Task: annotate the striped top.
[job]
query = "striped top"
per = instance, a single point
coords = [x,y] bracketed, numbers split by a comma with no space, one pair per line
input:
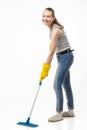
[62,43]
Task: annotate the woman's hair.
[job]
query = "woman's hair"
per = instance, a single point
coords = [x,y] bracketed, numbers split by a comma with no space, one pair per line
[53,14]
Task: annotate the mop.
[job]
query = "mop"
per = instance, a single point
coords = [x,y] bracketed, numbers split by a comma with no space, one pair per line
[27,122]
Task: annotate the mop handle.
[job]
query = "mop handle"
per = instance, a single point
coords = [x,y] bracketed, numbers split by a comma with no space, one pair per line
[35,98]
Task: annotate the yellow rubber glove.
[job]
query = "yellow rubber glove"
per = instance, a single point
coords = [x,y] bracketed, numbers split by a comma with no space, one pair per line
[44,73]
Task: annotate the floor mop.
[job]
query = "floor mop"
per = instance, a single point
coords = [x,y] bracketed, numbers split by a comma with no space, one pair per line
[27,122]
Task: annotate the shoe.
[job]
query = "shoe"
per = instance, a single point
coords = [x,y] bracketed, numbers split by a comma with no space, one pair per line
[55,118]
[66,114]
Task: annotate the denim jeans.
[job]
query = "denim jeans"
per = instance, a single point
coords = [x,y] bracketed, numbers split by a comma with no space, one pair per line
[62,80]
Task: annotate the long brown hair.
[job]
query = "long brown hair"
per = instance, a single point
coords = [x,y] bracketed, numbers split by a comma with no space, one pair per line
[53,14]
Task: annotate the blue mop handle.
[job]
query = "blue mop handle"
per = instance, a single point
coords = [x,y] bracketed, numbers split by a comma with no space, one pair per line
[40,83]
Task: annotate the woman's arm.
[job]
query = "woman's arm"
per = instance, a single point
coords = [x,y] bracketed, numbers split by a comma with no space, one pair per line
[54,39]
[46,66]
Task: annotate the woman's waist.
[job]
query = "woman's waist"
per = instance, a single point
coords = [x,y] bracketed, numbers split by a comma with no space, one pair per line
[65,51]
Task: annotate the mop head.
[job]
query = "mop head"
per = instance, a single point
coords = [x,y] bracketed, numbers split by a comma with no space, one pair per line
[27,123]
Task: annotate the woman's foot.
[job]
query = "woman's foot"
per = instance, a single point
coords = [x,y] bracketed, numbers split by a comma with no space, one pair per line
[55,118]
[69,113]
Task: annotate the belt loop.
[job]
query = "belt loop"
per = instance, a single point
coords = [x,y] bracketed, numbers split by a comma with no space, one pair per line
[68,50]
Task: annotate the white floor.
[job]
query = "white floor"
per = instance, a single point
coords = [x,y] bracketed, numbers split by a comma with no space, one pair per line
[13,111]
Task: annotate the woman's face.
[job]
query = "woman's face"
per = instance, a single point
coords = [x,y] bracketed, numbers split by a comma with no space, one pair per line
[48,18]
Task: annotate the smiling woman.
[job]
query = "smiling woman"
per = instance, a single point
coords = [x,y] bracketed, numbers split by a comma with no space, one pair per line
[49,18]
[60,45]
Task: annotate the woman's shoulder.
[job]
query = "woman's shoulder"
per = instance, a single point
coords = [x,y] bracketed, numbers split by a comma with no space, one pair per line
[57,30]
[56,26]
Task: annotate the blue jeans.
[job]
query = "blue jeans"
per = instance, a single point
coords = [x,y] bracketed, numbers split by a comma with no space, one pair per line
[62,78]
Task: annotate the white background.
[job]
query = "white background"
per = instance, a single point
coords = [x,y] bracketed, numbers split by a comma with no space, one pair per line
[24,45]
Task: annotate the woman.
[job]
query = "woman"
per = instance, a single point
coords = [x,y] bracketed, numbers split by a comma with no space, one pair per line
[60,45]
